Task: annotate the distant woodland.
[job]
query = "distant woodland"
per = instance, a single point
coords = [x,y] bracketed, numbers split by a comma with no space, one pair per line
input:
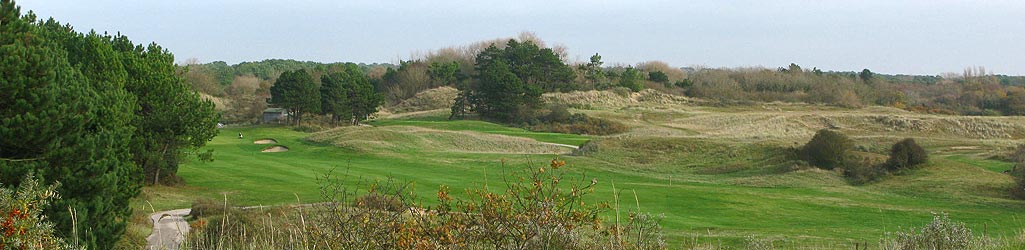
[974,91]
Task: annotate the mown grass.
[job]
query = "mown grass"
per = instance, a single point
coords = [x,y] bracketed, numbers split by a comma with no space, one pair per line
[756,193]
[985,163]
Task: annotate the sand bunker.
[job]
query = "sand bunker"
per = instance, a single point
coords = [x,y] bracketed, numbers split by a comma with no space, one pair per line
[265,141]
[274,149]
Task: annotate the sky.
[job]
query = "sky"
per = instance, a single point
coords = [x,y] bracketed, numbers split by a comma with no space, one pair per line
[927,37]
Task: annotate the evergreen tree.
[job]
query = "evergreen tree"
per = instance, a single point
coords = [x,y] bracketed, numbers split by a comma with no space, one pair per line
[334,96]
[66,125]
[296,91]
[631,78]
[364,100]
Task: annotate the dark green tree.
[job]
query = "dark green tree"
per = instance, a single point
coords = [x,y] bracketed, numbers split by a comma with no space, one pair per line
[538,66]
[334,96]
[906,154]
[171,120]
[593,71]
[502,96]
[827,149]
[296,92]
[631,78]
[509,81]
[658,76]
[349,95]
[866,75]
[444,74]
[365,99]
[67,124]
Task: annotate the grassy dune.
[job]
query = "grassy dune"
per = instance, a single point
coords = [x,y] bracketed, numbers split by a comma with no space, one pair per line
[710,189]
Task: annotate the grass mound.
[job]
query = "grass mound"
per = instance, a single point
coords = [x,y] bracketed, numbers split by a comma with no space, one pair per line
[606,99]
[431,99]
[856,122]
[420,139]
[274,149]
[265,141]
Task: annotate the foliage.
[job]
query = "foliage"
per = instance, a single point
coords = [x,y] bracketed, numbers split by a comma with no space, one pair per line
[658,76]
[631,78]
[509,81]
[827,149]
[593,72]
[66,114]
[410,78]
[499,94]
[348,95]
[1018,188]
[906,154]
[941,233]
[560,120]
[863,172]
[296,91]
[22,223]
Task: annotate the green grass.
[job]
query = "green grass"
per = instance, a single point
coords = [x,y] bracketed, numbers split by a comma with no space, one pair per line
[485,127]
[988,164]
[677,177]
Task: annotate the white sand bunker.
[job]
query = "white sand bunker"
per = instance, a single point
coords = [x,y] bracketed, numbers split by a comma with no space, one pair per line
[274,149]
[265,141]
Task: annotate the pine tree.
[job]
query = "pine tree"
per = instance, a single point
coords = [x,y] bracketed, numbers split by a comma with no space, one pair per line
[65,127]
[335,97]
[296,91]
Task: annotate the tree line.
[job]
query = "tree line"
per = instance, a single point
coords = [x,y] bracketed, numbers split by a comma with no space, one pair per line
[96,113]
[345,96]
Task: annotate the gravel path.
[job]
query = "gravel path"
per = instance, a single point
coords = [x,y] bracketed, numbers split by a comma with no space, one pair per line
[169,229]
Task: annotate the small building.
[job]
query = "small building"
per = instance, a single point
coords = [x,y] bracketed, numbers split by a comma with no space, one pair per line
[274,115]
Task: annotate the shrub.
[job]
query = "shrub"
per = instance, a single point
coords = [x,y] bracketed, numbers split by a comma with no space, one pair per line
[862,172]
[587,148]
[906,154]
[941,233]
[1018,173]
[22,223]
[1018,156]
[378,201]
[207,207]
[827,149]
[560,120]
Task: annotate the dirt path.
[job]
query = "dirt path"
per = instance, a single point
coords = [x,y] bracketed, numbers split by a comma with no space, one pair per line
[169,229]
[560,145]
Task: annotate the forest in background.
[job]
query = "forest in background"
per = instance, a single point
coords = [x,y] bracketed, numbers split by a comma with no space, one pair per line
[244,87]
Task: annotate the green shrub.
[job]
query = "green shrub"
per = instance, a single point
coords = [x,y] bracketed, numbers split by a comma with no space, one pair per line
[906,154]
[22,223]
[827,149]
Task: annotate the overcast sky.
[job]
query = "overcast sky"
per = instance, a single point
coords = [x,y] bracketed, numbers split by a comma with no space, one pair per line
[911,37]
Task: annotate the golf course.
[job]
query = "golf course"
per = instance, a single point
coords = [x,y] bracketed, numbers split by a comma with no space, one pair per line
[711,188]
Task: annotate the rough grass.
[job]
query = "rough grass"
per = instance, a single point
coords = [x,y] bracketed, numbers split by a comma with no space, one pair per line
[436,98]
